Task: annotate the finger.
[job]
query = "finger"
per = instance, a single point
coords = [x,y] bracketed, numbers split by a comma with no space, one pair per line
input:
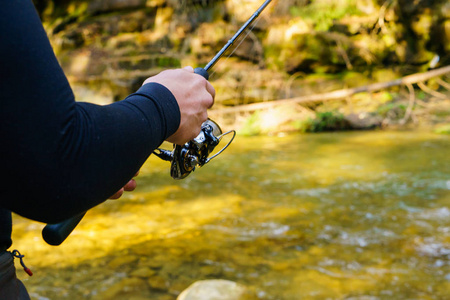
[117,195]
[211,91]
[189,68]
[130,186]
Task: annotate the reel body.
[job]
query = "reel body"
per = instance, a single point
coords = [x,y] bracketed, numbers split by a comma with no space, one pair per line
[184,159]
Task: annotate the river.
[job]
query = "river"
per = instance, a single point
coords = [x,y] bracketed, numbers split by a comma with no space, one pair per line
[350,215]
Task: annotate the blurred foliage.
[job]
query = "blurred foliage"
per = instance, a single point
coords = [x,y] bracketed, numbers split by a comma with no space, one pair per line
[252,125]
[297,47]
[390,108]
[323,13]
[443,129]
[325,121]
[308,36]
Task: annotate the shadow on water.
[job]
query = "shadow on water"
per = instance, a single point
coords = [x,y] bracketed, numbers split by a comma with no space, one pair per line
[356,215]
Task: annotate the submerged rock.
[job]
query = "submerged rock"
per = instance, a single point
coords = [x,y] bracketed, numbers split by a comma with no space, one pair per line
[363,121]
[123,289]
[215,289]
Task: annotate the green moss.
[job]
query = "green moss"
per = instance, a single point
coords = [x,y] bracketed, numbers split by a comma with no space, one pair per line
[302,125]
[168,62]
[353,79]
[443,129]
[399,109]
[324,121]
[323,13]
[385,97]
[273,57]
[252,125]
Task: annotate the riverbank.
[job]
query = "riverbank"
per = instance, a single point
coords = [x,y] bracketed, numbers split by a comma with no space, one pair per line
[297,48]
[419,100]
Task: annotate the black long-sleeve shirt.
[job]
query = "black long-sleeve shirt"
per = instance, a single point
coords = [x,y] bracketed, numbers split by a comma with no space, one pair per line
[59,157]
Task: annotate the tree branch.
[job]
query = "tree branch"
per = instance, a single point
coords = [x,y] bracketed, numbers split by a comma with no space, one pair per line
[340,94]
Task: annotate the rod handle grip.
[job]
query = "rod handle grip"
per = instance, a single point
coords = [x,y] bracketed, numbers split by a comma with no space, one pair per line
[202,72]
[55,234]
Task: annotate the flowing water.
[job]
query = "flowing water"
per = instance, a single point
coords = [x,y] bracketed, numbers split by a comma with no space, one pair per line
[355,215]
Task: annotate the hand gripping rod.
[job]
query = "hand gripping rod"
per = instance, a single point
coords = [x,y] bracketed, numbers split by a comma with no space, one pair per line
[55,234]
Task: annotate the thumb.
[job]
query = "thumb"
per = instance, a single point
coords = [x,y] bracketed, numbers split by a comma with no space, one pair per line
[189,68]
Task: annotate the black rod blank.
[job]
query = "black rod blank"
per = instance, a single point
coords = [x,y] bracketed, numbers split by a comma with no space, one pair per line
[236,36]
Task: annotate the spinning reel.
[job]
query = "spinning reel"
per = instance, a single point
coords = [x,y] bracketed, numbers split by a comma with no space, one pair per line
[184,159]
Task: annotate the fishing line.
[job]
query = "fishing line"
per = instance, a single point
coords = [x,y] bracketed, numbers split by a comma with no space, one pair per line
[241,41]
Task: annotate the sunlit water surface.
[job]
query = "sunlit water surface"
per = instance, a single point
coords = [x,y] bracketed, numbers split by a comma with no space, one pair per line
[356,215]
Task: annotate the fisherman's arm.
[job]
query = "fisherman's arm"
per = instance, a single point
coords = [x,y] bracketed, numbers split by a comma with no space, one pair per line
[60,157]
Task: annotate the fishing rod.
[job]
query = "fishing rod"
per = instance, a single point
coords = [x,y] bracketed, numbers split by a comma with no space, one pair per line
[184,159]
[204,71]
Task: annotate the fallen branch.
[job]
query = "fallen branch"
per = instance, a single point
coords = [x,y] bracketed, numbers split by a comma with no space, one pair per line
[412,99]
[443,83]
[427,90]
[339,94]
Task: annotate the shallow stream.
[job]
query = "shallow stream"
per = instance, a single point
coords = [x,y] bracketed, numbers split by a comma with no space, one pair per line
[354,215]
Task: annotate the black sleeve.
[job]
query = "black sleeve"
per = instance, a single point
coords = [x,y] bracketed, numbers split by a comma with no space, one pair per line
[60,157]
[5,229]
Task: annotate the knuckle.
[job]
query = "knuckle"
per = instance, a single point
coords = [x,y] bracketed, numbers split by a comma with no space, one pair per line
[209,101]
[204,116]
[200,80]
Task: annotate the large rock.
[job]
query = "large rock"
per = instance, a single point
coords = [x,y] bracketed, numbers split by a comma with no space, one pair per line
[215,289]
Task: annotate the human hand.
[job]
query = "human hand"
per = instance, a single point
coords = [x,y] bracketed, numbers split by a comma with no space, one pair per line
[194,95]
[130,186]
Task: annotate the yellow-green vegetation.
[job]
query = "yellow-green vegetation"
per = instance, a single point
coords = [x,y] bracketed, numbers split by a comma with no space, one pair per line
[325,121]
[297,48]
[443,129]
[323,13]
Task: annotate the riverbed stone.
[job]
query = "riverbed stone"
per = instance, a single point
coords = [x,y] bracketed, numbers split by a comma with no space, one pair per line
[215,289]
[122,260]
[122,288]
[158,283]
[143,272]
